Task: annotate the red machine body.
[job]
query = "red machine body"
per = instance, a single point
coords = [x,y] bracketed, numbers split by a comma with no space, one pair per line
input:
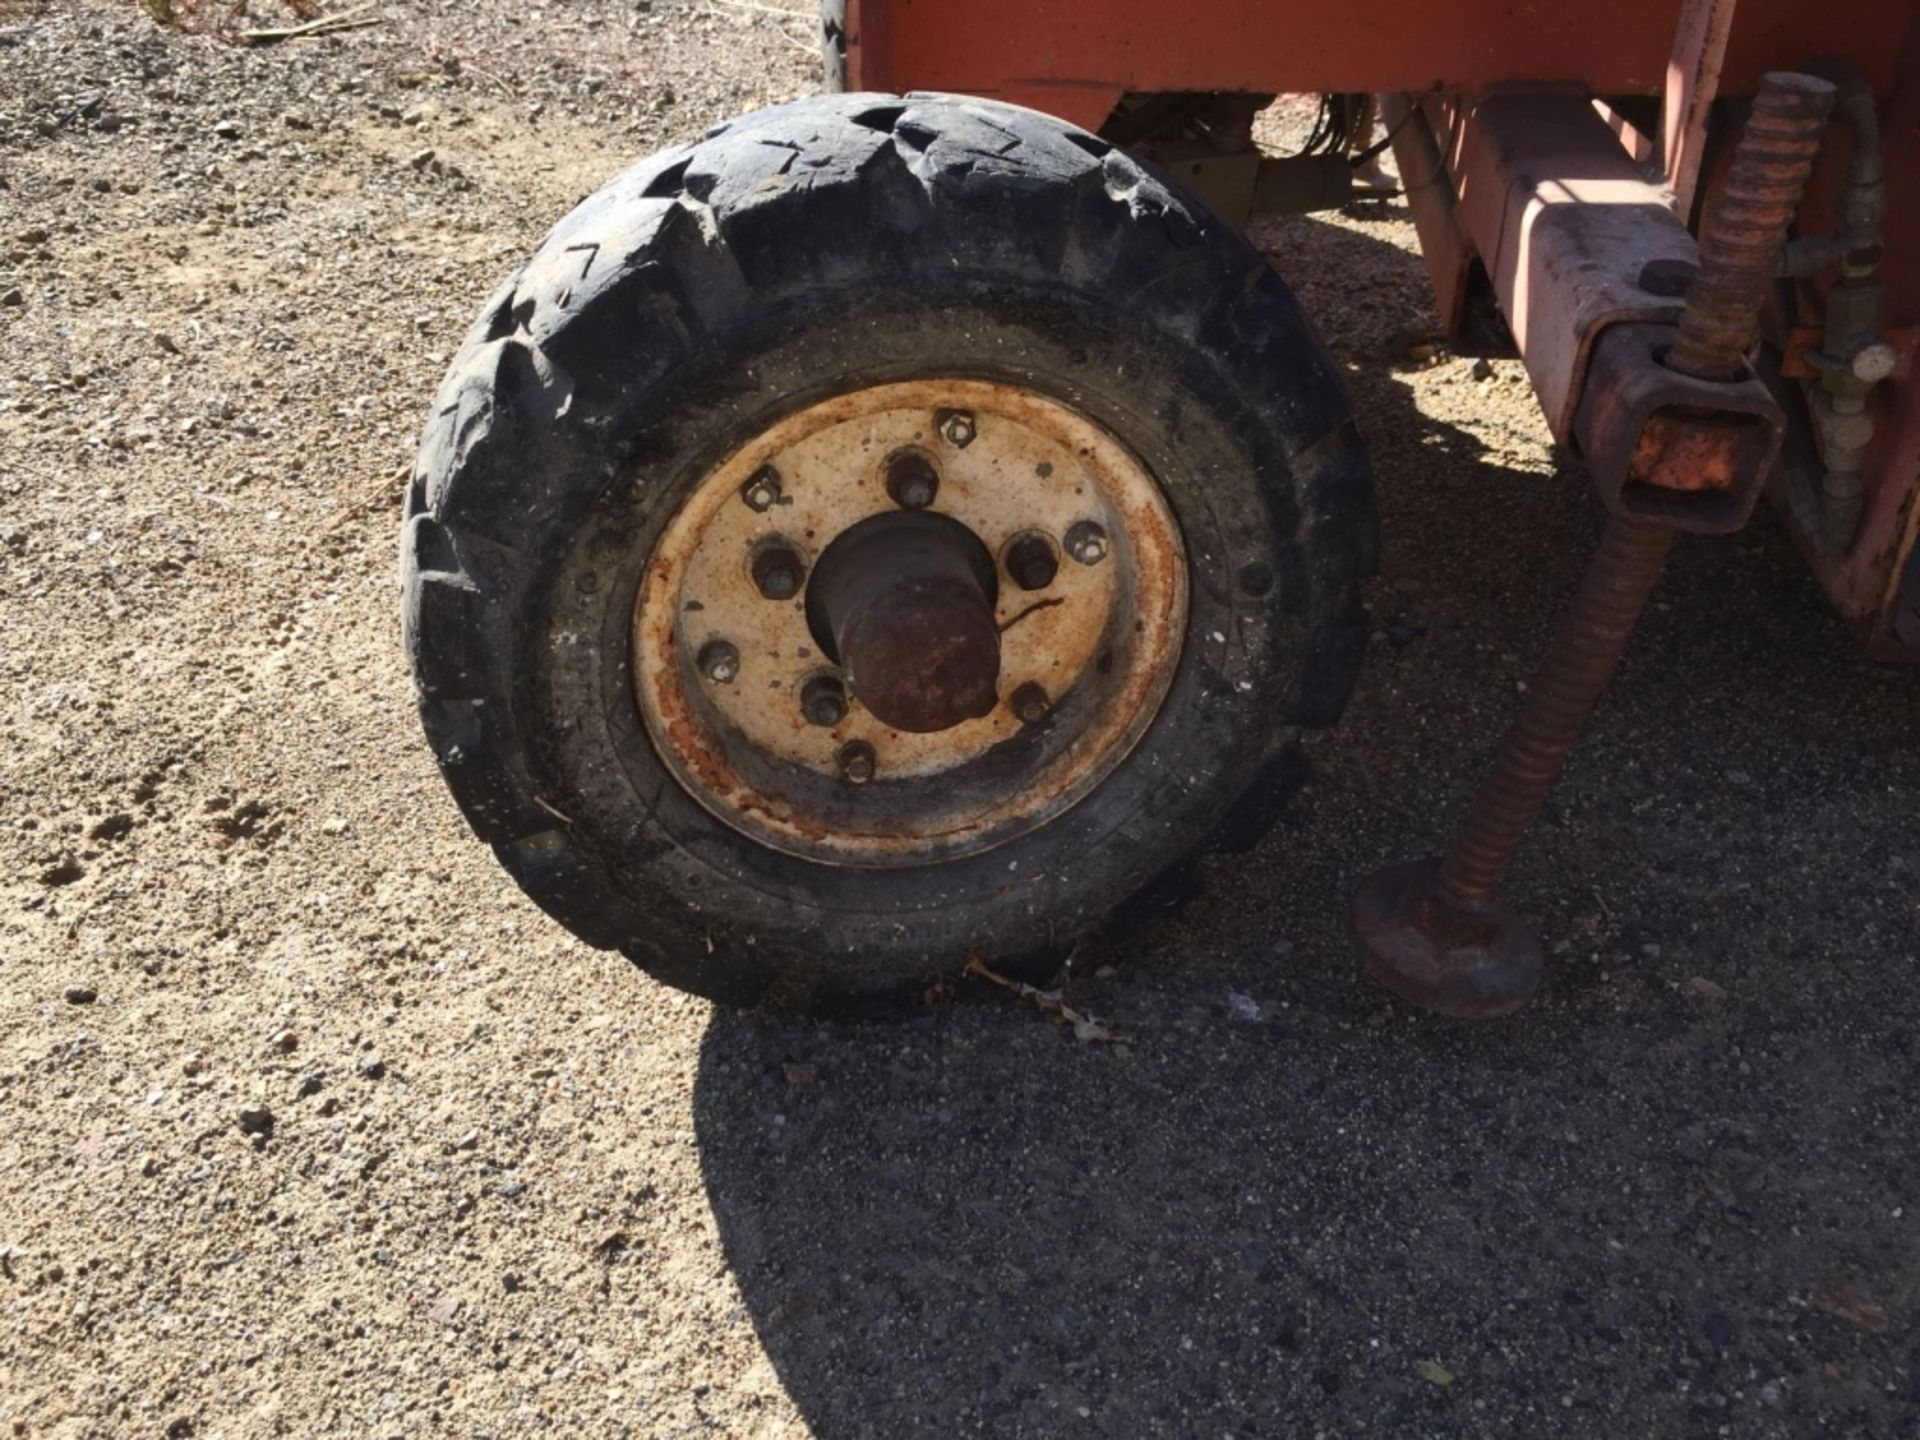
[1633,110]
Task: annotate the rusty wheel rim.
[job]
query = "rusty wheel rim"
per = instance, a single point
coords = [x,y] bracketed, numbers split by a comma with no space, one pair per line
[747,702]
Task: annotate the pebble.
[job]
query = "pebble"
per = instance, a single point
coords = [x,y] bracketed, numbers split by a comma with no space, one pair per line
[421,159]
[256,1121]
[14,298]
[227,129]
[371,1067]
[80,994]
[284,1041]
[311,1083]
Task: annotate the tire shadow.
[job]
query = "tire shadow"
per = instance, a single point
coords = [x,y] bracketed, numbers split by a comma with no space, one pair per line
[1667,1199]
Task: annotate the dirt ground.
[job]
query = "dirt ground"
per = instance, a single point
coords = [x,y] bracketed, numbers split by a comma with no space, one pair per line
[311,1125]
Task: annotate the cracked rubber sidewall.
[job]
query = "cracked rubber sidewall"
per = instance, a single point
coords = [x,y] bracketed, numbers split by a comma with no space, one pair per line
[712,290]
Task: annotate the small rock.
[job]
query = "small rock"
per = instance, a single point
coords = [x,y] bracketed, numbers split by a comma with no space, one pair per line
[421,159]
[510,1282]
[371,1067]
[1483,369]
[1705,988]
[80,994]
[14,298]
[227,129]
[468,1141]
[116,826]
[1402,632]
[295,120]
[799,1076]
[283,1041]
[193,1064]
[442,1311]
[256,1121]
[1244,1007]
[311,1083]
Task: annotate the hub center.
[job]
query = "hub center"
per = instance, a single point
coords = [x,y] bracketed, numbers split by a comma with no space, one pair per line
[905,603]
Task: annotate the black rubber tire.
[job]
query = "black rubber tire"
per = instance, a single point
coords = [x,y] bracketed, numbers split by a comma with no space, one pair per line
[839,241]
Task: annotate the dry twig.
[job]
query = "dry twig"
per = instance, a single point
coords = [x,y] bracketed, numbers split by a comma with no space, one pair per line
[1085,1027]
[354,19]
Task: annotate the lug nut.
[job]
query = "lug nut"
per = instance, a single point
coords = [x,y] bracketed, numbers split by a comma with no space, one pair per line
[956,428]
[856,762]
[1029,703]
[912,480]
[778,570]
[762,490]
[1031,561]
[719,661]
[1087,543]
[823,700]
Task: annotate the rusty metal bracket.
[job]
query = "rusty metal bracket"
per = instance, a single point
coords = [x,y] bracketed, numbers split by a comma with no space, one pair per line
[1693,454]
[1679,435]
[1573,235]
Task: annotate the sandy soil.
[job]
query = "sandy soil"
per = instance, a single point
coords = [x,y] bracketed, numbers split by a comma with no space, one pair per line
[310,1125]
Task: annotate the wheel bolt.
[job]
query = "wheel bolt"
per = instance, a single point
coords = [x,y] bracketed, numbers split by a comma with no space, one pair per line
[762,490]
[856,760]
[912,481]
[778,571]
[956,428]
[823,700]
[1031,561]
[719,661]
[1087,543]
[1029,703]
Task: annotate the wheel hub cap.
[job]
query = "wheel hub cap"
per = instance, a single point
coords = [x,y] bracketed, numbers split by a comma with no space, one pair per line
[909,622]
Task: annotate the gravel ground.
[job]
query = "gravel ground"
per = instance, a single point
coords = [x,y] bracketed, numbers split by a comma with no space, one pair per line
[310,1125]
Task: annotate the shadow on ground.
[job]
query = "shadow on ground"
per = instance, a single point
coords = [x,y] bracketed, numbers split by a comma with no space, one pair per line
[1676,1197]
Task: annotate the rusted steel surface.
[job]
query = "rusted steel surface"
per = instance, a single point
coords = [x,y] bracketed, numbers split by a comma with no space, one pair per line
[1429,192]
[1076,60]
[1433,932]
[1592,635]
[1692,81]
[1871,582]
[1566,225]
[912,624]
[1100,635]
[1662,445]
[1747,225]
[1474,961]
[1674,411]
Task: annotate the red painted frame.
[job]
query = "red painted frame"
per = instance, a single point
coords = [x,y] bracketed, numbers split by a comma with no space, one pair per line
[1077,58]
